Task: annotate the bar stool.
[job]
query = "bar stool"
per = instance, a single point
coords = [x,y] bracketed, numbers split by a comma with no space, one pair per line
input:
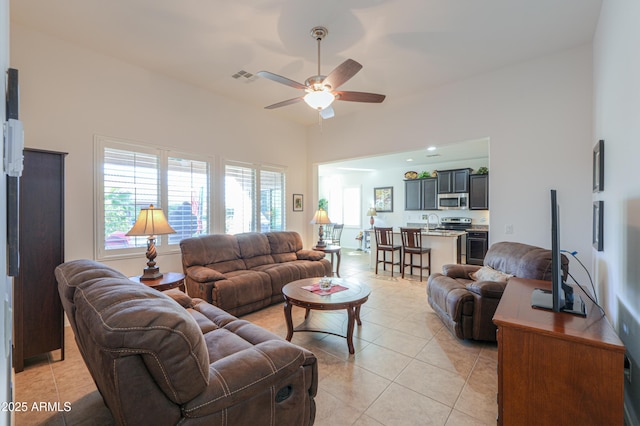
[412,244]
[384,244]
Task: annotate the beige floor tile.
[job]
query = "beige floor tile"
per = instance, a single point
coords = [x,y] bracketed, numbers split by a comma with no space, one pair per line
[365,420]
[401,342]
[381,361]
[436,383]
[331,411]
[399,406]
[355,386]
[458,418]
[479,395]
[449,353]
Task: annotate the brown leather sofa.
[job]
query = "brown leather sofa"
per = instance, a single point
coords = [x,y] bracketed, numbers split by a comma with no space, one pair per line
[246,272]
[466,306]
[165,358]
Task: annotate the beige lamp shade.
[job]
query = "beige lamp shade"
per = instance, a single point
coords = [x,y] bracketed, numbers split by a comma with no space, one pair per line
[372,212]
[320,218]
[151,221]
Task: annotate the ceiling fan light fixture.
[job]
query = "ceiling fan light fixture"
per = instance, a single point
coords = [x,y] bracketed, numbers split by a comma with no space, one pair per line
[319,100]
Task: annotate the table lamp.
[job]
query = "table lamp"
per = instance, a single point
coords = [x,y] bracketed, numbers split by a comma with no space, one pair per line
[371,212]
[151,222]
[320,218]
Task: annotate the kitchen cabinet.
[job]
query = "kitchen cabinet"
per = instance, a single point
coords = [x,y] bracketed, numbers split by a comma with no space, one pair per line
[37,313]
[479,192]
[421,194]
[453,181]
[477,245]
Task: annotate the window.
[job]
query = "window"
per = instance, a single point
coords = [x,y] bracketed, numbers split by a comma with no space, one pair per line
[345,205]
[254,198]
[131,177]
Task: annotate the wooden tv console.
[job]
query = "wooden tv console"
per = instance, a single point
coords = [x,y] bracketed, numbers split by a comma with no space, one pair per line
[556,368]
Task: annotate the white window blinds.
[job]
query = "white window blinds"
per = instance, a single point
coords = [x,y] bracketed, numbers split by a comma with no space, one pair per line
[188,196]
[240,190]
[130,183]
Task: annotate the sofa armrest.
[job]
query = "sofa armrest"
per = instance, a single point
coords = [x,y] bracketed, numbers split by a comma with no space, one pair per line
[455,270]
[247,373]
[202,274]
[491,289]
[305,254]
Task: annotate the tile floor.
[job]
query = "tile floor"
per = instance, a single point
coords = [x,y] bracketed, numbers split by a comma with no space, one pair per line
[407,370]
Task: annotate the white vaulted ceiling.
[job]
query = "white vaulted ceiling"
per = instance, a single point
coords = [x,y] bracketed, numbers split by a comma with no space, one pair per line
[405,46]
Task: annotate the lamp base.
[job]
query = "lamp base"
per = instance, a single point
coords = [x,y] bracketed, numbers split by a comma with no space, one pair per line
[321,243]
[151,274]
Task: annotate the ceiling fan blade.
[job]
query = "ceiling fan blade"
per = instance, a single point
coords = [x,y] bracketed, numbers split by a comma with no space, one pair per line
[342,73]
[284,103]
[280,79]
[327,112]
[359,97]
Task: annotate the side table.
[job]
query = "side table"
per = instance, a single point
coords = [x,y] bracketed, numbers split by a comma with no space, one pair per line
[332,249]
[168,281]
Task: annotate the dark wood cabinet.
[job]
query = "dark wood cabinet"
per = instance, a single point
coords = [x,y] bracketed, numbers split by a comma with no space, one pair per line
[37,310]
[477,246]
[453,181]
[479,192]
[430,194]
[421,194]
[412,194]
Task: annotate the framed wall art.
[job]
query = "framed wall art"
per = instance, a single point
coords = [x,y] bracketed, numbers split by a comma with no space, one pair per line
[298,202]
[598,167]
[383,199]
[598,223]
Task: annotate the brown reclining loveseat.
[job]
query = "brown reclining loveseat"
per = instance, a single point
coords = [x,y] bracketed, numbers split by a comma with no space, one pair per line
[165,358]
[466,304]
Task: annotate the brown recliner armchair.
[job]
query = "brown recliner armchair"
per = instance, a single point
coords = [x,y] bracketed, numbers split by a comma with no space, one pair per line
[466,304]
[165,358]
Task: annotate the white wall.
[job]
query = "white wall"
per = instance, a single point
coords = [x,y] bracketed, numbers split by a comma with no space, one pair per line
[69,94]
[617,122]
[5,282]
[538,116]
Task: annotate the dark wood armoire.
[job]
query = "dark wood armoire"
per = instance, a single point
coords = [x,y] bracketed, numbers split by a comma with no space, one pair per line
[38,320]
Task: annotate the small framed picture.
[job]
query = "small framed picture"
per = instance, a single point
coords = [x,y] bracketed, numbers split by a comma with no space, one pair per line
[383,199]
[598,223]
[298,202]
[598,167]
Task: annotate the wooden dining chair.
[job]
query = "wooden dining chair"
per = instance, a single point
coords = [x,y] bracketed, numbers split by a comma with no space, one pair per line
[384,245]
[412,244]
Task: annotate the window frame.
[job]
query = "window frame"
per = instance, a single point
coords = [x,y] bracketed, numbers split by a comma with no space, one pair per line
[163,153]
[257,201]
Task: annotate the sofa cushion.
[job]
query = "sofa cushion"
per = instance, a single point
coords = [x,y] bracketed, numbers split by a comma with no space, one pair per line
[219,252]
[254,249]
[284,245]
[125,319]
[487,273]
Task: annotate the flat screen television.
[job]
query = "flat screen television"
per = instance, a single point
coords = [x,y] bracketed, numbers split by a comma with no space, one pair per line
[561,297]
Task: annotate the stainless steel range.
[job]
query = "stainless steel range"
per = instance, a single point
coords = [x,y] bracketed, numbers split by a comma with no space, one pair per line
[455,223]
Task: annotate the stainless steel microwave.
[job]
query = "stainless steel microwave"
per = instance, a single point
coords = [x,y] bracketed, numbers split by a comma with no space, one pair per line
[453,201]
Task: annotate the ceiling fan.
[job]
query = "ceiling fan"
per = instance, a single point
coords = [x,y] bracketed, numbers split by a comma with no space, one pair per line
[322,90]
